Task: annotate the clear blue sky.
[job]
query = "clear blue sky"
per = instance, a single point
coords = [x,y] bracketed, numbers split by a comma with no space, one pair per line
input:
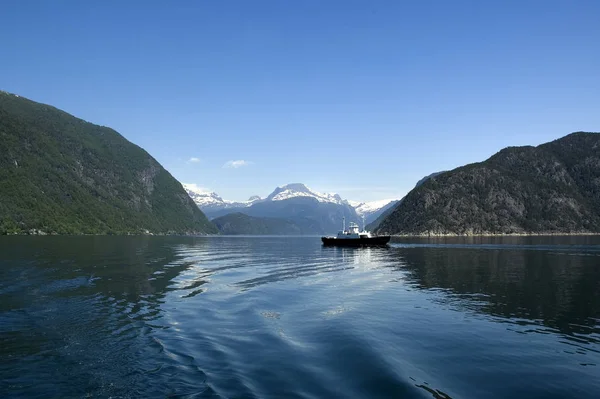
[357,97]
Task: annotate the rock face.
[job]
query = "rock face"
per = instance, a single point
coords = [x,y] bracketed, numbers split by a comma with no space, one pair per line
[382,215]
[62,175]
[549,189]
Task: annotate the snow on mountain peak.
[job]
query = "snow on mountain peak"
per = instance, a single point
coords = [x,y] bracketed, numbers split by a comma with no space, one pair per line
[203,197]
[207,199]
[363,208]
[299,187]
[300,190]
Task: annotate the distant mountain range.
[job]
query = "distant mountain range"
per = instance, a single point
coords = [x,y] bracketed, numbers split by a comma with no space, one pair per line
[309,211]
[62,175]
[212,202]
[553,188]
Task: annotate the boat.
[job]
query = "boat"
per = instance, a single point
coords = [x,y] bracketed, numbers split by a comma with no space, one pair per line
[353,237]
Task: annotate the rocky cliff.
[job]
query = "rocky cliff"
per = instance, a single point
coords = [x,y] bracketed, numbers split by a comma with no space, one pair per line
[553,188]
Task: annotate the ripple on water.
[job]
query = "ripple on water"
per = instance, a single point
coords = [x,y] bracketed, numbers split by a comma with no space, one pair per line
[281,317]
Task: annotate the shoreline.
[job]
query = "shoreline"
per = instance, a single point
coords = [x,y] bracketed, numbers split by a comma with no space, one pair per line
[128,234]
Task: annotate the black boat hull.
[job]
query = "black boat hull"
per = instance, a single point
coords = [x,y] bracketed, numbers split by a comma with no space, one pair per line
[377,241]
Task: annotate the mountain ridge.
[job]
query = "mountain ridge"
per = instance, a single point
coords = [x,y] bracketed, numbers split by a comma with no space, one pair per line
[62,175]
[384,213]
[215,206]
[308,211]
[552,188]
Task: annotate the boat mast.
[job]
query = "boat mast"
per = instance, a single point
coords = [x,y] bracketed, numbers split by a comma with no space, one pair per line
[363,218]
[344,223]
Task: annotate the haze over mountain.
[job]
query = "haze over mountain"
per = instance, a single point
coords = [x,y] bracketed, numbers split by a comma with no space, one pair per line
[60,174]
[553,188]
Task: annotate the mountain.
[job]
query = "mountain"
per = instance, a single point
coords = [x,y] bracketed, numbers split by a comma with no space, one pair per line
[211,201]
[385,212]
[214,206]
[553,188]
[372,226]
[295,190]
[372,210]
[313,216]
[312,212]
[239,223]
[60,174]
[423,180]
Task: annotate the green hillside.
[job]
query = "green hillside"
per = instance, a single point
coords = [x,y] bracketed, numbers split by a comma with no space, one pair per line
[60,174]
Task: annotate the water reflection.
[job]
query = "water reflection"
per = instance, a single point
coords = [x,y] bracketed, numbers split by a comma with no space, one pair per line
[560,290]
[287,317]
[356,256]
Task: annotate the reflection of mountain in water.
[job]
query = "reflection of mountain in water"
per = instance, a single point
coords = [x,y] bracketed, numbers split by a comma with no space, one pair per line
[559,289]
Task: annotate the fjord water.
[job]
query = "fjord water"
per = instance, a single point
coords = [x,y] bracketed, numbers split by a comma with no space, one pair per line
[271,317]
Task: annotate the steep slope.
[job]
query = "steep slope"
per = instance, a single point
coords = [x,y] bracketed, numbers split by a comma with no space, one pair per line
[552,188]
[374,225]
[239,223]
[372,210]
[60,174]
[384,213]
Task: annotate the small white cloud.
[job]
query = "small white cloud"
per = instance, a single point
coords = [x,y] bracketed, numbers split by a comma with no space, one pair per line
[193,160]
[236,164]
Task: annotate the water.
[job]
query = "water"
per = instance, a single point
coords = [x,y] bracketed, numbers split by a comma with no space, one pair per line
[272,317]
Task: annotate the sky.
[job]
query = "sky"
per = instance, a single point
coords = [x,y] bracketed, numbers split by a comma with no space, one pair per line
[361,98]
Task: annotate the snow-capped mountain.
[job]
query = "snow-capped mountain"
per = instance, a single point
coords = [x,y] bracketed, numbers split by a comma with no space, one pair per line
[300,190]
[367,208]
[373,209]
[211,200]
[213,205]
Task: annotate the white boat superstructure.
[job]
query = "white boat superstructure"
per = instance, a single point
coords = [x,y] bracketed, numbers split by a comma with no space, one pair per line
[353,231]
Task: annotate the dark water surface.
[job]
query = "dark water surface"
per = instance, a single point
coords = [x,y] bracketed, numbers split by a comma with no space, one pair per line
[275,317]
